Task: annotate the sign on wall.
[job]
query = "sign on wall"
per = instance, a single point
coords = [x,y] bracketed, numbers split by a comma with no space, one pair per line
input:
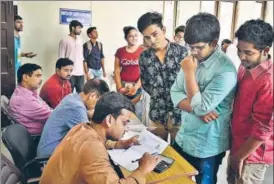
[67,15]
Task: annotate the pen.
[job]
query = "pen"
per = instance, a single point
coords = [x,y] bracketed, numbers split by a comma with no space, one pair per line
[133,161]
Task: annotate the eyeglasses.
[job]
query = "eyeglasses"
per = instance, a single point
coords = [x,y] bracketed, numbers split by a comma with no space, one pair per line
[197,48]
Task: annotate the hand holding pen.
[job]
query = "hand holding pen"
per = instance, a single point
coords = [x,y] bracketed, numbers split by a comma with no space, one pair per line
[147,163]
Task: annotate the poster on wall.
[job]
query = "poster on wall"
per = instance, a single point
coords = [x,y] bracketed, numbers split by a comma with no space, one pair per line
[67,15]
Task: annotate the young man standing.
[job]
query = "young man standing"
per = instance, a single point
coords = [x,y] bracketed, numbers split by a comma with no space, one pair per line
[225,43]
[72,47]
[73,109]
[159,66]
[25,105]
[58,85]
[204,90]
[252,123]
[18,27]
[82,155]
[179,35]
[94,56]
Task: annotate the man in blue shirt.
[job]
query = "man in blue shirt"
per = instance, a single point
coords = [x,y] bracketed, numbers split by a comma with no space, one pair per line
[94,56]
[18,26]
[73,109]
[204,90]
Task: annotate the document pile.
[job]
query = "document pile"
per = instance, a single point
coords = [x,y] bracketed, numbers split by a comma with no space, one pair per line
[148,143]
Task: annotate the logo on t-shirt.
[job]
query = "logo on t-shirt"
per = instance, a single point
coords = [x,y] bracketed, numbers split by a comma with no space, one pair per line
[127,62]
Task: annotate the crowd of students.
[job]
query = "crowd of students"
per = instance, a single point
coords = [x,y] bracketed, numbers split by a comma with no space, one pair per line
[198,95]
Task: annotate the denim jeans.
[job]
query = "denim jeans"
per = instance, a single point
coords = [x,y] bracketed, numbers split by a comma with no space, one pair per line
[96,73]
[207,167]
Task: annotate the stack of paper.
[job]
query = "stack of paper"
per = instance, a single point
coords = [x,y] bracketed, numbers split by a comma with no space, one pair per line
[148,143]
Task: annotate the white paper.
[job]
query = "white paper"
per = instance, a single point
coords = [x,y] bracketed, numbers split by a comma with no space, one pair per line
[148,143]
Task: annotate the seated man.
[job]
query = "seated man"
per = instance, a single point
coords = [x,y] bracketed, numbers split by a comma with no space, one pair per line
[72,110]
[58,85]
[25,104]
[82,155]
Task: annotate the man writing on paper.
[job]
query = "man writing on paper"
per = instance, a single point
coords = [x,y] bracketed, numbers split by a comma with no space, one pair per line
[82,155]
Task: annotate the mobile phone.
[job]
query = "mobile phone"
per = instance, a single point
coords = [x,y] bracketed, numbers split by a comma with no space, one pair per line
[164,163]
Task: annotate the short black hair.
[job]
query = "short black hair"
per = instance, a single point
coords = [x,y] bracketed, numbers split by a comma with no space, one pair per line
[89,30]
[150,18]
[227,41]
[61,62]
[111,103]
[258,32]
[28,69]
[74,23]
[96,85]
[202,27]
[180,29]
[127,29]
[17,17]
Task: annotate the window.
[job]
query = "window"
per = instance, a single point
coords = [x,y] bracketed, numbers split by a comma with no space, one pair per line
[269,12]
[185,10]
[248,10]
[169,18]
[225,16]
[208,7]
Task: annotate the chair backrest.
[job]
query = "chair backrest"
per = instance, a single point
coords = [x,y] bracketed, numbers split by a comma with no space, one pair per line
[4,109]
[9,173]
[4,102]
[19,143]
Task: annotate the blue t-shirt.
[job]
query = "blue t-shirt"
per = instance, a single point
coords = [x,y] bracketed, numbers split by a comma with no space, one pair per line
[70,112]
[17,53]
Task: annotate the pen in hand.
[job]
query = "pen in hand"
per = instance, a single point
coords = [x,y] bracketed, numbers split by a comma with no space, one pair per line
[133,161]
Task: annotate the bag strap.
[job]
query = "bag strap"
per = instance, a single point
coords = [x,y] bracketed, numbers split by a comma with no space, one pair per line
[89,47]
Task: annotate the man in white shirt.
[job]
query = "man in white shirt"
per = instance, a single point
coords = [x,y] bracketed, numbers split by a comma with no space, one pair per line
[72,47]
[232,53]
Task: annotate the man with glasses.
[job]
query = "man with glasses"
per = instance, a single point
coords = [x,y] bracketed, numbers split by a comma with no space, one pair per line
[73,109]
[159,66]
[204,90]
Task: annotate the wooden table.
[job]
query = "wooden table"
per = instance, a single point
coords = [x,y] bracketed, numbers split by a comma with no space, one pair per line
[178,173]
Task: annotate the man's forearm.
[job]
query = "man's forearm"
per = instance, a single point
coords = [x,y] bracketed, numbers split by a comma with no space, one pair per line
[103,65]
[248,147]
[185,105]
[191,85]
[86,68]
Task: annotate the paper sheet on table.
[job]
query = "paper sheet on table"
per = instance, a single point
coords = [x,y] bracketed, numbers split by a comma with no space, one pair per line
[148,143]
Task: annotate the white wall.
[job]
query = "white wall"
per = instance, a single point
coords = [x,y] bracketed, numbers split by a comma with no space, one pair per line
[111,16]
[42,30]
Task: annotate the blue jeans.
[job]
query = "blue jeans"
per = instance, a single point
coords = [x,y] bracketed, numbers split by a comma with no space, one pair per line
[207,167]
[96,73]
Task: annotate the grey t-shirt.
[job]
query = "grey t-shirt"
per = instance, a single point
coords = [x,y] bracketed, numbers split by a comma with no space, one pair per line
[70,112]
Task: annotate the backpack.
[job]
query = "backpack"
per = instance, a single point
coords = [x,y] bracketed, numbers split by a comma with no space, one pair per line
[90,46]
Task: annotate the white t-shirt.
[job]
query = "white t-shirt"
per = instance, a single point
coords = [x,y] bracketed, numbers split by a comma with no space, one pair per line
[231,52]
[73,49]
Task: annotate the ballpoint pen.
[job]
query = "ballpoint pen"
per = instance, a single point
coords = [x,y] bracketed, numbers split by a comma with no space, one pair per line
[133,161]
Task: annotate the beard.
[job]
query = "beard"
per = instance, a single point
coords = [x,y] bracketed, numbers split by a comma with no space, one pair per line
[250,64]
[18,29]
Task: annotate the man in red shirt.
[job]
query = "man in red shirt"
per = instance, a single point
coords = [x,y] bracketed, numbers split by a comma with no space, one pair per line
[252,122]
[58,85]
